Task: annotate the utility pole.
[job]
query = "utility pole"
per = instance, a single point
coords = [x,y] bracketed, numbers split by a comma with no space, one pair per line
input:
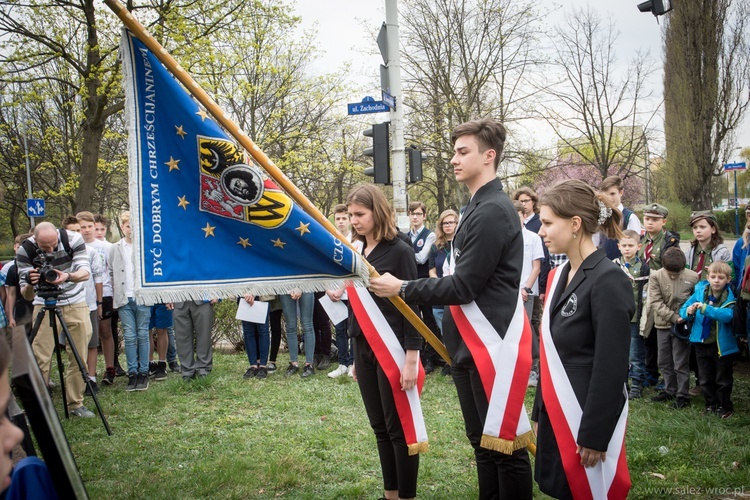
[22,120]
[398,156]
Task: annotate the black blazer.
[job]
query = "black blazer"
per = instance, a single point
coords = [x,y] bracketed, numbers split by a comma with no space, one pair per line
[395,257]
[592,338]
[535,224]
[488,254]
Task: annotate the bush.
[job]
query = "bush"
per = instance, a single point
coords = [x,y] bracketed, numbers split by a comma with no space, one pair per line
[227,329]
[726,221]
[679,217]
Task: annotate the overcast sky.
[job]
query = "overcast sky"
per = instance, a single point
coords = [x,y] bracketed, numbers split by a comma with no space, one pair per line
[345,33]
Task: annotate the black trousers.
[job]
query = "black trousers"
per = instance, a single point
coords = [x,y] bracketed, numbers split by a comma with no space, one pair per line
[652,356]
[399,469]
[322,327]
[716,375]
[275,321]
[500,476]
[429,353]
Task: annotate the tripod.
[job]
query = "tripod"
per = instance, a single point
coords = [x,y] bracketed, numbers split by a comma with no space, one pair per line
[50,306]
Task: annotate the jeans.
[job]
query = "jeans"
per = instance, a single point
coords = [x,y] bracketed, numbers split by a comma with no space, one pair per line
[135,319]
[638,371]
[257,341]
[306,307]
[438,312]
[171,348]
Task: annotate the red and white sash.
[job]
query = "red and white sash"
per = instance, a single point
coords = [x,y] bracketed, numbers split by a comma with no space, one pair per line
[609,479]
[392,357]
[503,365]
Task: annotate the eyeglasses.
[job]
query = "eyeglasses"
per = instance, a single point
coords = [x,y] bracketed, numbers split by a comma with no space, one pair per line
[417,214]
[449,223]
[529,200]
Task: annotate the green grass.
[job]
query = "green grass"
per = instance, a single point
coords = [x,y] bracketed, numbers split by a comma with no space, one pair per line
[225,437]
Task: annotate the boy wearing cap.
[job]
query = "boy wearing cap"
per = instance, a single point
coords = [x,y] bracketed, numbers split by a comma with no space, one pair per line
[656,239]
[654,243]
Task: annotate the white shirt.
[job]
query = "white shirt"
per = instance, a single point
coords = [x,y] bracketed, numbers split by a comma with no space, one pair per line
[127,249]
[96,276]
[633,222]
[103,248]
[532,250]
[426,247]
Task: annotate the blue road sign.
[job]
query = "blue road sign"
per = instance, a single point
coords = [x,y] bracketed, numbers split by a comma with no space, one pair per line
[368,105]
[740,165]
[389,100]
[34,207]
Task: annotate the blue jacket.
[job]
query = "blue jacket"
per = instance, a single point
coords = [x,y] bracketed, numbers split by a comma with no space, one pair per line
[722,314]
[739,255]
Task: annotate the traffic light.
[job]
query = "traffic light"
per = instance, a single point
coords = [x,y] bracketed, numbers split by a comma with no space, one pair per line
[415,164]
[656,7]
[380,153]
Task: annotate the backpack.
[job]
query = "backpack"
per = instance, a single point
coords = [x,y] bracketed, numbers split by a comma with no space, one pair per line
[31,248]
[670,240]
[626,213]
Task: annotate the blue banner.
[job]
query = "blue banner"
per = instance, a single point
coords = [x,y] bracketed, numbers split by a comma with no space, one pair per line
[206,222]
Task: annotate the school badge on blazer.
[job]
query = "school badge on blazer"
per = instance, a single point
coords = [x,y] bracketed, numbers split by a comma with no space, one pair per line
[570,307]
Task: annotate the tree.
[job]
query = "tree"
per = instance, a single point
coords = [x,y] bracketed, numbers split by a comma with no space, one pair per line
[61,59]
[706,81]
[569,165]
[463,60]
[595,108]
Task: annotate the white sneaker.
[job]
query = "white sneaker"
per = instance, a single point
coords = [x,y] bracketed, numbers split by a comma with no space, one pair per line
[533,379]
[341,370]
[351,371]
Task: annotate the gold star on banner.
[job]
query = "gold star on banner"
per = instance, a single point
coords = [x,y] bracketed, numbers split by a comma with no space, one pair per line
[183,202]
[209,230]
[180,131]
[303,228]
[202,114]
[245,242]
[278,243]
[173,164]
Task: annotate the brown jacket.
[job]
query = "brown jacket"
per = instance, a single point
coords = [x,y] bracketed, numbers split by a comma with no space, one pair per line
[666,296]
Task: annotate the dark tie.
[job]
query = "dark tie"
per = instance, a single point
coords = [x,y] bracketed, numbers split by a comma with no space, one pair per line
[647,253]
[701,260]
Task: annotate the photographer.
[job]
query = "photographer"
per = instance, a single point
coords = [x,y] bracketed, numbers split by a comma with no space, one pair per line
[54,263]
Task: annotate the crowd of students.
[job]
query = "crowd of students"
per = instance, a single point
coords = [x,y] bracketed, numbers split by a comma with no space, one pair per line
[609,301]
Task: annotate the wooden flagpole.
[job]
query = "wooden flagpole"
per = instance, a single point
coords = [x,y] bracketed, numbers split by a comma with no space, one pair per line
[281,179]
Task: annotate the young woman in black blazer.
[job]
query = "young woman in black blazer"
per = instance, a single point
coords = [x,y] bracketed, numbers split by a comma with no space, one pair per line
[372,218]
[586,323]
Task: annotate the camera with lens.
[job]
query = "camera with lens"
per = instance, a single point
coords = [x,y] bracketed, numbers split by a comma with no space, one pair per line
[47,273]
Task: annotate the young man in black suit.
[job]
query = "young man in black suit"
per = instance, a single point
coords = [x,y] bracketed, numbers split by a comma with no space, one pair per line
[488,252]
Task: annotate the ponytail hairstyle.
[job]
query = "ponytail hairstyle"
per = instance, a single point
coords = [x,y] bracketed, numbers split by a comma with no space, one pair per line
[573,197]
